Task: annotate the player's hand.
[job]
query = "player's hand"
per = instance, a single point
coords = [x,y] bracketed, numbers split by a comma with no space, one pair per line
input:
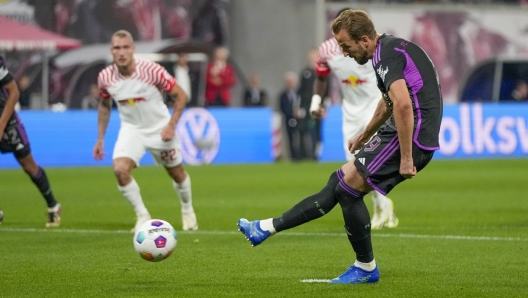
[319,113]
[167,133]
[356,143]
[407,168]
[98,152]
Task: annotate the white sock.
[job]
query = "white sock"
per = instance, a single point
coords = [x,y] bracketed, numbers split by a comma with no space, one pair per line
[54,208]
[267,225]
[379,200]
[366,266]
[132,194]
[184,193]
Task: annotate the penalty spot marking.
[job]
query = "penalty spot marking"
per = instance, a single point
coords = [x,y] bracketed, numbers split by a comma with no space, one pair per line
[315,280]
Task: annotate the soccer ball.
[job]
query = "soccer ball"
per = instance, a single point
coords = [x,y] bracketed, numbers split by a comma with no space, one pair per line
[155,240]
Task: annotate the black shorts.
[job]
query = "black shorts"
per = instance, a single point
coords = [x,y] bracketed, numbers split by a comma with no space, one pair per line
[379,160]
[15,139]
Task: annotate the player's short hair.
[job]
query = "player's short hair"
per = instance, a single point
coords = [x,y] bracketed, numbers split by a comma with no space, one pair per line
[341,11]
[123,33]
[356,22]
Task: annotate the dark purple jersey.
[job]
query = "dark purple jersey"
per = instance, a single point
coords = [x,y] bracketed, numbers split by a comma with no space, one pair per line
[14,138]
[395,59]
[5,77]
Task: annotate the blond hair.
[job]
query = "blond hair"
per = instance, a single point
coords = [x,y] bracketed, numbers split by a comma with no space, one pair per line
[356,22]
[123,33]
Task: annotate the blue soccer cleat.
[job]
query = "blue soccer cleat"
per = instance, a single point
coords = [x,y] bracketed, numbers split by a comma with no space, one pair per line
[356,275]
[253,231]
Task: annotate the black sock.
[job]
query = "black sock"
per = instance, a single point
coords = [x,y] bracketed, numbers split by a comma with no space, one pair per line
[357,221]
[42,183]
[310,208]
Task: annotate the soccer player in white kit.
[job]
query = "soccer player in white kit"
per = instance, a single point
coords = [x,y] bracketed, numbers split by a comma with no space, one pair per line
[360,98]
[146,124]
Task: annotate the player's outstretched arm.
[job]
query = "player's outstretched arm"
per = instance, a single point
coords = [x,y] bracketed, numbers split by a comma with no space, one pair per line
[381,115]
[180,99]
[9,108]
[105,106]
[403,115]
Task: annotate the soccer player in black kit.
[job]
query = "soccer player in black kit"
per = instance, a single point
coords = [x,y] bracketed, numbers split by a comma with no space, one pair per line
[398,142]
[14,140]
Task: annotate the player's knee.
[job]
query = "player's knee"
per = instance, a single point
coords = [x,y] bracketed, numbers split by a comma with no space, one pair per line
[122,173]
[325,200]
[177,173]
[30,169]
[330,186]
[28,165]
[334,179]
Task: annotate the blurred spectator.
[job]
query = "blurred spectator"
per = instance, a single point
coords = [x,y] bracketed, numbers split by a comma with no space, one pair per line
[175,15]
[211,23]
[520,93]
[181,73]
[44,12]
[255,95]
[309,128]
[25,94]
[91,100]
[220,78]
[289,105]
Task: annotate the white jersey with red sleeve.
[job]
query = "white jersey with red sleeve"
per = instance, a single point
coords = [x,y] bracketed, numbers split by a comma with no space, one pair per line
[138,97]
[358,82]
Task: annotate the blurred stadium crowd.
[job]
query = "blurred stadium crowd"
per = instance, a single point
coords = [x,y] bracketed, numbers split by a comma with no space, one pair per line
[437,1]
[193,26]
[195,41]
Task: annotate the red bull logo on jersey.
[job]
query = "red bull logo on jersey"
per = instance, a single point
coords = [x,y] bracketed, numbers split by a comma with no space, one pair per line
[354,81]
[131,101]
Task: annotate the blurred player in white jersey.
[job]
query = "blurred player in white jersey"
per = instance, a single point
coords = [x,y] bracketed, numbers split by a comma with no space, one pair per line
[360,98]
[146,124]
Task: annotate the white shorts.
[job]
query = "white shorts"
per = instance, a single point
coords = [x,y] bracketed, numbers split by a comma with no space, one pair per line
[134,145]
[350,130]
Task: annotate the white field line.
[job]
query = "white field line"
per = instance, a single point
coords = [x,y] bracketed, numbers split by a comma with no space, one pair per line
[449,237]
[315,280]
[440,228]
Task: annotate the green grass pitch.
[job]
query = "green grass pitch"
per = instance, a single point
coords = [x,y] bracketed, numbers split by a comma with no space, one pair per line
[463,233]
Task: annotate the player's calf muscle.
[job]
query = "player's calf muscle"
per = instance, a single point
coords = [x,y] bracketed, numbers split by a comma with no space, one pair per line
[311,207]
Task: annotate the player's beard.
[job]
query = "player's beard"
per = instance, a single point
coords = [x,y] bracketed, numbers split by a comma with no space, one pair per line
[362,58]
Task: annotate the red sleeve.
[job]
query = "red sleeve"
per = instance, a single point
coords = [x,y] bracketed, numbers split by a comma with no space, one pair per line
[322,68]
[163,80]
[103,93]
